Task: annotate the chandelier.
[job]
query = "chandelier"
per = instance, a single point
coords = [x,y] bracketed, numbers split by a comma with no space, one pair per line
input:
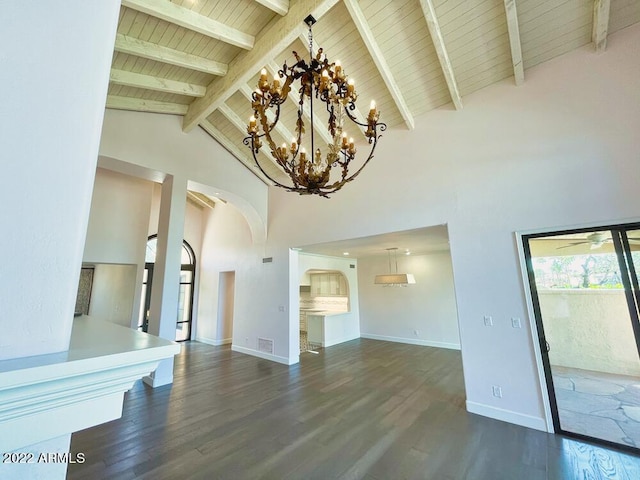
[310,173]
[394,279]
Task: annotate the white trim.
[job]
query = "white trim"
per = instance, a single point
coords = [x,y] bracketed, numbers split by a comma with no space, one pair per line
[412,341]
[213,341]
[509,416]
[266,356]
[46,396]
[533,328]
[155,381]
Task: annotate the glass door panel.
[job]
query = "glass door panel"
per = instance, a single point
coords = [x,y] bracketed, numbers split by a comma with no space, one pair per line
[586,329]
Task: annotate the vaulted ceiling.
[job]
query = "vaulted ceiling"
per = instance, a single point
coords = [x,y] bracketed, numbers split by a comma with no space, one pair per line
[201,58]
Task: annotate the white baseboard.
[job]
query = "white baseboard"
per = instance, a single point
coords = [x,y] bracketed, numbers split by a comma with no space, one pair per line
[213,341]
[266,356]
[412,341]
[529,421]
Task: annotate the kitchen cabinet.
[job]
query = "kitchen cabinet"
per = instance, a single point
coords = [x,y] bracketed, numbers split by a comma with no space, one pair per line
[328,285]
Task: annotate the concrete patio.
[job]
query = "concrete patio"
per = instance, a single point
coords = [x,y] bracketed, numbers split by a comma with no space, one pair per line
[600,405]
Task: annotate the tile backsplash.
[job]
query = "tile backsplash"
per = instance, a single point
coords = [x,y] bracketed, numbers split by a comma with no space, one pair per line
[329,304]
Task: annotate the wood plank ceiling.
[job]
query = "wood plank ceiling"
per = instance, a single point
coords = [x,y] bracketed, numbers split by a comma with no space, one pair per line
[201,58]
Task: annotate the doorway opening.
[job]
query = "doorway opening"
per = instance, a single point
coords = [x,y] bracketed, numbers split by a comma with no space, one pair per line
[226,296]
[184,315]
[324,295]
[585,296]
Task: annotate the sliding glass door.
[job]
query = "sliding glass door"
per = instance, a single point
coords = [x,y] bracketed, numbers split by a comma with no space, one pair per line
[585,295]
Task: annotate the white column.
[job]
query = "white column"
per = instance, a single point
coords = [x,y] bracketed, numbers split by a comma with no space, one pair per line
[163,310]
[55,58]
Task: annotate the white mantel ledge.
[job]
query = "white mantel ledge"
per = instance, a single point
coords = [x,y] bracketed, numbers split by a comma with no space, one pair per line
[46,396]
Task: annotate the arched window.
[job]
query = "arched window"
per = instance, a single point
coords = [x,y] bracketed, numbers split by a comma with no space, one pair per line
[185,297]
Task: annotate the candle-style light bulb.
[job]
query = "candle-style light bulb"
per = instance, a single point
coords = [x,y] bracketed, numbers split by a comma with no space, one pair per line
[351,85]
[345,143]
[263,74]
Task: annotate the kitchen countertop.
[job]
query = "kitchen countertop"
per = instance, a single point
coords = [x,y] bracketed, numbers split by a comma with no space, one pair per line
[323,313]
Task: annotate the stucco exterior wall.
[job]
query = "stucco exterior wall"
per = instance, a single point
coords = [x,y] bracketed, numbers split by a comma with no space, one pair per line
[589,329]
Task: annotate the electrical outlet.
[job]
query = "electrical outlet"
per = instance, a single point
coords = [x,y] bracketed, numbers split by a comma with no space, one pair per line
[488,321]
[515,322]
[497,391]
[281,308]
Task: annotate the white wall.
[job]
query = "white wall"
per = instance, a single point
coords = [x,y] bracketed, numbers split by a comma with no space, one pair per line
[421,314]
[119,219]
[157,144]
[53,100]
[560,150]
[193,221]
[54,91]
[117,234]
[113,293]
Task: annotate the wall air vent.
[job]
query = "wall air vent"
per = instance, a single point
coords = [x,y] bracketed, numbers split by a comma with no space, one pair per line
[265,345]
[267,260]
[351,265]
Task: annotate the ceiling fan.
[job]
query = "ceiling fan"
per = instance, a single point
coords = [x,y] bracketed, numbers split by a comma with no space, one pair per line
[596,240]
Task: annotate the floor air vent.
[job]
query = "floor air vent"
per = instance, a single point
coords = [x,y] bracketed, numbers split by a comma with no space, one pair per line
[265,345]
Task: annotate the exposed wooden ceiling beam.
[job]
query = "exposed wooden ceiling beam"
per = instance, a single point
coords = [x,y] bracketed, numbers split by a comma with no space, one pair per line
[141,48]
[138,80]
[230,147]
[271,42]
[141,105]
[233,117]
[601,9]
[173,13]
[237,122]
[281,7]
[200,200]
[438,42]
[318,127]
[514,41]
[357,15]
[280,128]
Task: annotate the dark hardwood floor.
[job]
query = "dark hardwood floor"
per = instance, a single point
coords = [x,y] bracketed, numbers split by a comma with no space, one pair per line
[360,410]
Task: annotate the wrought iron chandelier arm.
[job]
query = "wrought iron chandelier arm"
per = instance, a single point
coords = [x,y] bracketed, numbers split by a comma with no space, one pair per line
[320,80]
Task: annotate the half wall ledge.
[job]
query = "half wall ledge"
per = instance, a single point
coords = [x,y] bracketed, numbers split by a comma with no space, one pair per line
[46,396]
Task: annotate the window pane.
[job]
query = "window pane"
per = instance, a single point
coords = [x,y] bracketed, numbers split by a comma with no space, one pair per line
[184,299]
[185,258]
[150,256]
[186,276]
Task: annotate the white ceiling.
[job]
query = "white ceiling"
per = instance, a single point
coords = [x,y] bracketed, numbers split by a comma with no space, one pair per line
[419,241]
[200,59]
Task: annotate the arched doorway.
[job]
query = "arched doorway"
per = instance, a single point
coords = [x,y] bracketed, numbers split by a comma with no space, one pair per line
[185,298]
